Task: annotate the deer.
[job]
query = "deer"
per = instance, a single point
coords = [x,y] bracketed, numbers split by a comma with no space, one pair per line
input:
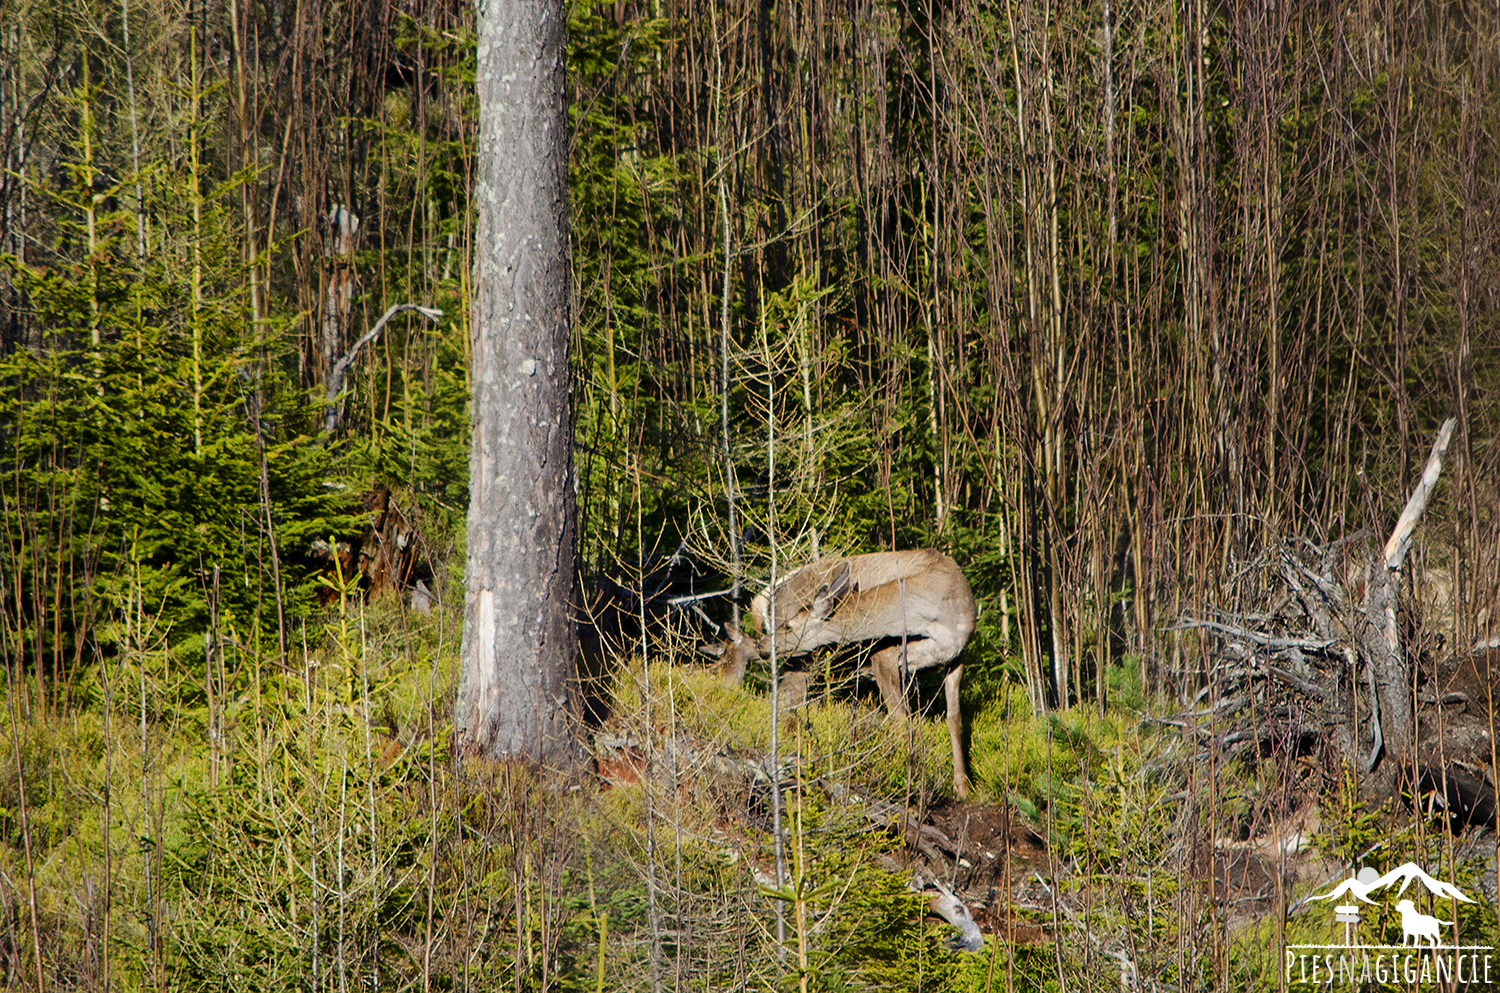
[916,603]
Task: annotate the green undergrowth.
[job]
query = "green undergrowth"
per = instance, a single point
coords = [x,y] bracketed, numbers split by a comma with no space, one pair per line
[307,826]
[844,740]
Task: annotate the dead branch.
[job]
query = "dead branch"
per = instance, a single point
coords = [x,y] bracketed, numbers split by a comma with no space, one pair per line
[1286,677]
[942,902]
[1395,728]
[336,377]
[1258,637]
[1400,540]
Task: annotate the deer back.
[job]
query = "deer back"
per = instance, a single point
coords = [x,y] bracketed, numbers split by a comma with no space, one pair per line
[915,594]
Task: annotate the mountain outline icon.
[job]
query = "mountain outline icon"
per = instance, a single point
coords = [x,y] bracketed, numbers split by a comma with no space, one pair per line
[1367,882]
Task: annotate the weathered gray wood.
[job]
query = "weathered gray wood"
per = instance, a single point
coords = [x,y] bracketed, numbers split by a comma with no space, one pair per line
[1394,719]
[519,642]
[1416,505]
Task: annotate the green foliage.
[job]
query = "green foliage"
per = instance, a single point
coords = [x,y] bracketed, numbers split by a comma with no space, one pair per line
[623,191]
[422,435]
[1125,685]
[139,463]
[865,923]
[856,925]
[961,311]
[274,878]
[1038,756]
[1354,830]
[406,419]
[831,736]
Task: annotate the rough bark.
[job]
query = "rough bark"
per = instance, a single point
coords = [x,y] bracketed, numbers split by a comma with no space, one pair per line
[519,643]
[1394,724]
[1382,637]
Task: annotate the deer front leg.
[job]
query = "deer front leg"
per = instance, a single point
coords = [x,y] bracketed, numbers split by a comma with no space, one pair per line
[887,666]
[792,689]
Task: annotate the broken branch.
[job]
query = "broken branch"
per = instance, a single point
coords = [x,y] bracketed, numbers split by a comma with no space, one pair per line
[1400,540]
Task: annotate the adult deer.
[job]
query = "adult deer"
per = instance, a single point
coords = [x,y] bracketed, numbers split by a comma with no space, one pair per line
[917,604]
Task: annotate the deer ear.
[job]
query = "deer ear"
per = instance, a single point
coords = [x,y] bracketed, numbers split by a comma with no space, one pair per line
[712,651]
[832,593]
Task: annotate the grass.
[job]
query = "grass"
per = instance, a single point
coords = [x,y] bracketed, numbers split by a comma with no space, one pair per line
[306,826]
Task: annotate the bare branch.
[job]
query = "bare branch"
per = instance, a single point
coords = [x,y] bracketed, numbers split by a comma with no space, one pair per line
[336,377]
[1400,540]
[1258,637]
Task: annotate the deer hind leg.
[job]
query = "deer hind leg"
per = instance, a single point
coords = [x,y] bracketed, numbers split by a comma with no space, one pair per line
[920,655]
[955,730]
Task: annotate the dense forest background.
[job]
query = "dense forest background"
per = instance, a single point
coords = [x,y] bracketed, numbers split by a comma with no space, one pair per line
[1110,301]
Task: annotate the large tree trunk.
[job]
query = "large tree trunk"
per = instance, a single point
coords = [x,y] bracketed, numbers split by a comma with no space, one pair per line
[519,642]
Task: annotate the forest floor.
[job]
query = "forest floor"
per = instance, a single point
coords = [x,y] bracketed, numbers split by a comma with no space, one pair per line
[314,821]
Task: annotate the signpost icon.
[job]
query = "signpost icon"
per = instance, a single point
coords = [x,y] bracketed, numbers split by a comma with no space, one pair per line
[1348,916]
